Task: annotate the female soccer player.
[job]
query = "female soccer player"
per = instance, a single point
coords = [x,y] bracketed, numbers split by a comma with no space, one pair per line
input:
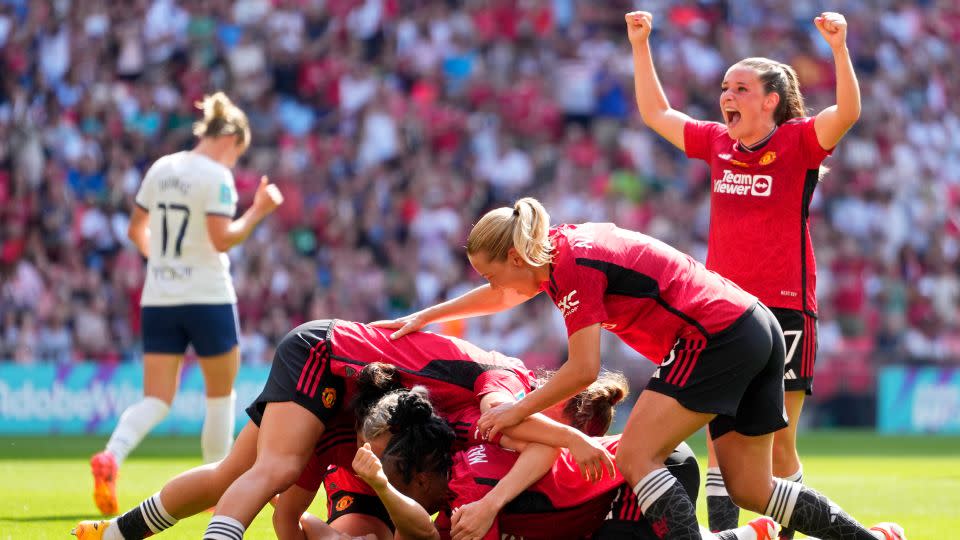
[560,505]
[183,224]
[301,412]
[353,508]
[764,162]
[720,353]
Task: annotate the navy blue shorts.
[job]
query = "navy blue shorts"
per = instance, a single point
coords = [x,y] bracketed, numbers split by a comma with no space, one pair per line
[211,328]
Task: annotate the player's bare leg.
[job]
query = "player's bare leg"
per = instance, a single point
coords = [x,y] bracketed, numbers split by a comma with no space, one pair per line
[747,469]
[657,424]
[185,495]
[288,434]
[161,374]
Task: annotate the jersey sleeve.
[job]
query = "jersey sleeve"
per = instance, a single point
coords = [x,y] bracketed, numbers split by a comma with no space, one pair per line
[813,154]
[579,297]
[144,197]
[222,200]
[698,136]
[501,380]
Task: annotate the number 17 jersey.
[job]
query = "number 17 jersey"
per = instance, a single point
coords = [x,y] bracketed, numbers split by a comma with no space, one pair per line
[178,192]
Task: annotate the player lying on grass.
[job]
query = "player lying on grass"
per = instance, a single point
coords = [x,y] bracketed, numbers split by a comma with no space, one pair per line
[302,412]
[561,505]
[352,507]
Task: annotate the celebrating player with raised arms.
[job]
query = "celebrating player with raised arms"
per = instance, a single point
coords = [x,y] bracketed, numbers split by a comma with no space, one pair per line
[183,224]
[764,166]
[720,352]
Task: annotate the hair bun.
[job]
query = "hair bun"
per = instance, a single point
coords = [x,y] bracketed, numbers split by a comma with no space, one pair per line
[615,394]
[412,409]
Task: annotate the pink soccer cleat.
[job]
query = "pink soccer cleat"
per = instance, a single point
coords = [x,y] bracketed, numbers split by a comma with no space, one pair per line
[104,468]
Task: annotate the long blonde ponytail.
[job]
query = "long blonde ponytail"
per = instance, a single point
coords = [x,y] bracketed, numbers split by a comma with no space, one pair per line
[525,227]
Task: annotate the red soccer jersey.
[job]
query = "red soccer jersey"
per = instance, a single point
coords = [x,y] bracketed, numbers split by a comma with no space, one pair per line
[456,373]
[560,501]
[644,291]
[759,210]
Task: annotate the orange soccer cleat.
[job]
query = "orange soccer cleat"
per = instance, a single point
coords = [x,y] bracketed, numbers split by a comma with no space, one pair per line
[104,468]
[90,530]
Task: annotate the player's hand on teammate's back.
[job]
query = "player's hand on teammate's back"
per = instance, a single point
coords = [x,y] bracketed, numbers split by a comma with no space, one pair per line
[472,520]
[639,26]
[405,325]
[833,28]
[268,196]
[367,466]
[592,458]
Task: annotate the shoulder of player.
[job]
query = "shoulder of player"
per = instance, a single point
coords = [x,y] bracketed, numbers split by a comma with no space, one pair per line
[795,125]
[713,130]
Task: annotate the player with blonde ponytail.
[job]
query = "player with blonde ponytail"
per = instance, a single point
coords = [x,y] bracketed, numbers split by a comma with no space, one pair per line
[720,354]
[183,224]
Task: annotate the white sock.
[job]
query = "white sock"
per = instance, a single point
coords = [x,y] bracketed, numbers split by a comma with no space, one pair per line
[134,424]
[715,485]
[217,435]
[796,477]
[224,528]
[113,531]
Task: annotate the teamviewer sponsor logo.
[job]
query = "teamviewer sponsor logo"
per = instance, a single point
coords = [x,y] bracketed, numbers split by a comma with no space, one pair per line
[758,185]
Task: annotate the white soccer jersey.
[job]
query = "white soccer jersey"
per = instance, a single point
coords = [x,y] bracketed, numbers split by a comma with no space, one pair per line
[179,191]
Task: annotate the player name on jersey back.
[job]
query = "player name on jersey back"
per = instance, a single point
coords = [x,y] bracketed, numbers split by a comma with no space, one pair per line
[178,192]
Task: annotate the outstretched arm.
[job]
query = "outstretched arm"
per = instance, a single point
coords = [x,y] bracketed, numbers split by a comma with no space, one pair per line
[483,300]
[651,100]
[833,122]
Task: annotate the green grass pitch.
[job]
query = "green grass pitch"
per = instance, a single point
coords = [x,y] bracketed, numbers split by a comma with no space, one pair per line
[45,484]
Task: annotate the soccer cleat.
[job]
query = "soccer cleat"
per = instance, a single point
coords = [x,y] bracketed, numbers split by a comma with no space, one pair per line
[766,528]
[890,531]
[90,530]
[104,468]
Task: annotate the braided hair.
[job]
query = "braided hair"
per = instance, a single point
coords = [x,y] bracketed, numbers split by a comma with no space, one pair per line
[420,440]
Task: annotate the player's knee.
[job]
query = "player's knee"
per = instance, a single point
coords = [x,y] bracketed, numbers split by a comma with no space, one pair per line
[280,472]
[634,466]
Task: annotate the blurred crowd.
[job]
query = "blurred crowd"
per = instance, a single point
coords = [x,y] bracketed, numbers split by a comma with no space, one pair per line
[391,125]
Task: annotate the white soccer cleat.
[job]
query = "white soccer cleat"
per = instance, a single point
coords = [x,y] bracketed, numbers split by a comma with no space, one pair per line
[888,531]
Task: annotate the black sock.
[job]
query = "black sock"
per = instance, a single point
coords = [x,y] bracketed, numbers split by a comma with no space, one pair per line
[722,514]
[666,505]
[145,520]
[801,508]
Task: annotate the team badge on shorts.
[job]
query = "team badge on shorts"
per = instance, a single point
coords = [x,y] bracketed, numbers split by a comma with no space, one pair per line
[328,397]
[768,158]
[344,503]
